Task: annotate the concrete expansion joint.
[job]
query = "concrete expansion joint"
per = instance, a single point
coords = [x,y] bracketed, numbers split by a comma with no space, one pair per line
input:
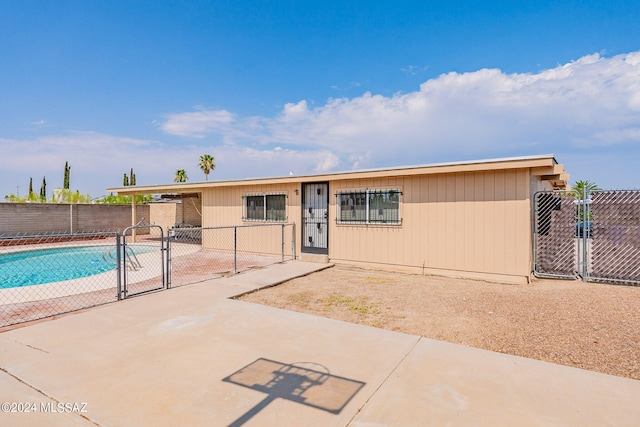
[21,381]
[395,368]
[279,282]
[30,346]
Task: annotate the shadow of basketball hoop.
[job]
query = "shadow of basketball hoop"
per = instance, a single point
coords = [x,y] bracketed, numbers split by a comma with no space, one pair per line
[307,383]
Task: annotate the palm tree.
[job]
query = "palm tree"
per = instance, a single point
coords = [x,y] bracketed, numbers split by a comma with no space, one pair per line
[207,164]
[580,187]
[181,176]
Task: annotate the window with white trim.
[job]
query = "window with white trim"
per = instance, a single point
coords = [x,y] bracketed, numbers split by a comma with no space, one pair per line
[369,207]
[265,207]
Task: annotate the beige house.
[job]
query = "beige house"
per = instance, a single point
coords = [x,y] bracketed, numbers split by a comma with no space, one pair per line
[466,219]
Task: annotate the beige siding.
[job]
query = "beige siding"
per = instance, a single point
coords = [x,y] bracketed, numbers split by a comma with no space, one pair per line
[475,222]
[222,207]
[470,219]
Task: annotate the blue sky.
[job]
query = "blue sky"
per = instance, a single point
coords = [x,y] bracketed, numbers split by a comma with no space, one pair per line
[270,88]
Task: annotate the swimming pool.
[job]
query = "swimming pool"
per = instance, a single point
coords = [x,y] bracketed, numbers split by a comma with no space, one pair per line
[40,266]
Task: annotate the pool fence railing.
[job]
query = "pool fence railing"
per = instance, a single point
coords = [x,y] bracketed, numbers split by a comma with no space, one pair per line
[49,274]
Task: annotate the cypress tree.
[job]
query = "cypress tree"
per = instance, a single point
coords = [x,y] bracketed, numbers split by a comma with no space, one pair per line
[125,180]
[30,186]
[67,172]
[43,189]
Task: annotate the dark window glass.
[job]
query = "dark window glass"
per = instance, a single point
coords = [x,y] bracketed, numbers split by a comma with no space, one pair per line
[276,207]
[255,207]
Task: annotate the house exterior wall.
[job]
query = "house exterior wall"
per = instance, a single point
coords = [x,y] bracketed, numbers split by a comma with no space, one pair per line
[223,207]
[472,222]
[471,219]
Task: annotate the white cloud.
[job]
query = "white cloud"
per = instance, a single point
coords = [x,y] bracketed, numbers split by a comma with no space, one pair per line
[98,161]
[348,86]
[584,112]
[591,102]
[412,70]
[197,124]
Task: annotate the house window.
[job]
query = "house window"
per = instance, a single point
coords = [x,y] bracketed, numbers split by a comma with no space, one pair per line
[265,207]
[369,207]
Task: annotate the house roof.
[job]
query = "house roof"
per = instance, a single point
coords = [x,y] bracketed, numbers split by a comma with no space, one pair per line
[544,166]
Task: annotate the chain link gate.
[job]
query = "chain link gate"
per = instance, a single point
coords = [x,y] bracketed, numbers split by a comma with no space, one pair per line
[142,257]
[614,221]
[44,275]
[595,237]
[555,246]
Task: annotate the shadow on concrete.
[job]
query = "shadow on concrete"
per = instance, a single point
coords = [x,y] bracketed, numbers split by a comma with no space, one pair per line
[307,383]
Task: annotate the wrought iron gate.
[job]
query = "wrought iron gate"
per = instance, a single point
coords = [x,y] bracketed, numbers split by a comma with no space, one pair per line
[593,237]
[315,218]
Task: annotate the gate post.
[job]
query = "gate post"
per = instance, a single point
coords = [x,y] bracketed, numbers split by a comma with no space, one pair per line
[118,267]
[282,242]
[584,233]
[168,258]
[293,241]
[235,249]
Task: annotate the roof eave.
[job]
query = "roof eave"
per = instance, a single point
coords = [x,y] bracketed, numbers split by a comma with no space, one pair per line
[543,164]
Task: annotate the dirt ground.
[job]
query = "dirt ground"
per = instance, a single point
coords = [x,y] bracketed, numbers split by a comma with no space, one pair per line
[585,325]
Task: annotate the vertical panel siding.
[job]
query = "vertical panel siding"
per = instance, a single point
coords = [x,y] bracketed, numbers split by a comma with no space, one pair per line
[510,210]
[414,209]
[523,222]
[498,239]
[488,223]
[431,203]
[223,206]
[476,222]
[473,221]
[460,226]
[479,217]
[469,240]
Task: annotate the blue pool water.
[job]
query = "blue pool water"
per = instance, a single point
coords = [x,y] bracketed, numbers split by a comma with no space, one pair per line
[36,267]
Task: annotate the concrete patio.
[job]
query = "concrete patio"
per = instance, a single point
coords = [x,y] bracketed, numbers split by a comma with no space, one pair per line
[191,356]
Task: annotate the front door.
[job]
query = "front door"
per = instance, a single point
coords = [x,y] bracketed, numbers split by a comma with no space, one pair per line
[315,218]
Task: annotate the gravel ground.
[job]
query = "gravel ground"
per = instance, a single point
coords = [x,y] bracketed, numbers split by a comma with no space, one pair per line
[588,326]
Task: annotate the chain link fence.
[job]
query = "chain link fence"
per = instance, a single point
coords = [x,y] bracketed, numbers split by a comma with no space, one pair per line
[594,237]
[555,244]
[50,274]
[197,254]
[614,226]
